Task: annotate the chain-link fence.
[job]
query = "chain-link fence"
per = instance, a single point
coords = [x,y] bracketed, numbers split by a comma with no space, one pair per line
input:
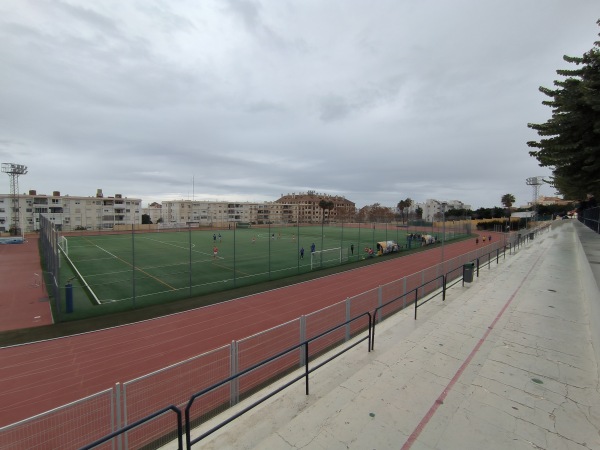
[94,273]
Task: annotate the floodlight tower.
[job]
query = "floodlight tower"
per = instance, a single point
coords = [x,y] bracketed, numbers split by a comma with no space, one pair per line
[13,171]
[535,183]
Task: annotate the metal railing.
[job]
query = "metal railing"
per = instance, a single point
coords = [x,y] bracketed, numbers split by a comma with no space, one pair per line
[119,433]
[590,218]
[305,346]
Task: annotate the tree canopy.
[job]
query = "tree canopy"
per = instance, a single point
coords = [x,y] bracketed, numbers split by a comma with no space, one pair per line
[375,213]
[508,200]
[402,204]
[570,140]
[326,205]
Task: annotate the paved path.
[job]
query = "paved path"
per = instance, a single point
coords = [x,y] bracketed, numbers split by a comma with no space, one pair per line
[507,362]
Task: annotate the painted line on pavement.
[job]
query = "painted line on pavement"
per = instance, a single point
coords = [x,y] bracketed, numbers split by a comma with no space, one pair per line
[440,400]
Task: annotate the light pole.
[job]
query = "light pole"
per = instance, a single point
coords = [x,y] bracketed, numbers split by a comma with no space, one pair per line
[14,171]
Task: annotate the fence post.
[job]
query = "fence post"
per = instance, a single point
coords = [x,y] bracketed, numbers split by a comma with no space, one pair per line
[379,300]
[234,385]
[133,264]
[348,303]
[118,406]
[443,288]
[302,339]
[416,298]
[306,365]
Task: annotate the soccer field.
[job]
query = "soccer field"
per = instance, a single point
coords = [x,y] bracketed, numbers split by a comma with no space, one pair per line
[177,264]
[121,271]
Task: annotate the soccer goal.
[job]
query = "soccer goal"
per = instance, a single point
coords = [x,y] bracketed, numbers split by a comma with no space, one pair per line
[328,257]
[64,245]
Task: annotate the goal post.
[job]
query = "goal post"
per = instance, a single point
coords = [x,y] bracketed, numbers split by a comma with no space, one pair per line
[328,257]
[63,244]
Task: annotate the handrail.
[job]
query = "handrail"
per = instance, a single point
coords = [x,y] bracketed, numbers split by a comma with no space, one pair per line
[443,277]
[457,278]
[307,371]
[415,290]
[140,422]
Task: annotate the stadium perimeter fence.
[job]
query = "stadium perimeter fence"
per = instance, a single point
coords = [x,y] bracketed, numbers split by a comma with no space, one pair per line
[94,273]
[84,421]
[591,218]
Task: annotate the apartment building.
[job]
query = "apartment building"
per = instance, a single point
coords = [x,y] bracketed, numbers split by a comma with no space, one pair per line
[69,213]
[304,207]
[178,213]
[433,209]
[291,208]
[154,211]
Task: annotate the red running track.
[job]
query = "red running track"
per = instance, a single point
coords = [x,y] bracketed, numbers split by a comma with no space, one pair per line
[23,301]
[37,377]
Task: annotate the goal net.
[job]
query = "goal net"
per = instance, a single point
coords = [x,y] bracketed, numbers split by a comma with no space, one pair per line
[328,257]
[64,245]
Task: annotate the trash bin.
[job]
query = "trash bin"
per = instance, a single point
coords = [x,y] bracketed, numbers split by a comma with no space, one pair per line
[468,270]
[69,298]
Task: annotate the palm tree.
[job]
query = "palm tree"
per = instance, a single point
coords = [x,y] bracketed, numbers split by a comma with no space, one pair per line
[404,204]
[508,200]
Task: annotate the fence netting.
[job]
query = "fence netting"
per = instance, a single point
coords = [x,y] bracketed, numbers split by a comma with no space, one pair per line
[92,273]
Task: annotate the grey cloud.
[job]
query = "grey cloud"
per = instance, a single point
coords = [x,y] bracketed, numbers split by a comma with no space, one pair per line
[248,11]
[375,101]
[66,12]
[333,107]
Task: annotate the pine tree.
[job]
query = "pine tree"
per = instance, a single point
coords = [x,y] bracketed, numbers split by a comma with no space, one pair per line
[570,139]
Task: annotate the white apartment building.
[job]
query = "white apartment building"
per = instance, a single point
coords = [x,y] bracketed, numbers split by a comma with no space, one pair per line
[70,213]
[179,213]
[433,209]
[204,213]
[154,211]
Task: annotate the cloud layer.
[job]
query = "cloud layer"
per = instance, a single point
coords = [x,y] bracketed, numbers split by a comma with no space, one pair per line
[248,100]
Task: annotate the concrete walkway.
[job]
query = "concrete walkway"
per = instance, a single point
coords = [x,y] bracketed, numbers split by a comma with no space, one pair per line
[509,361]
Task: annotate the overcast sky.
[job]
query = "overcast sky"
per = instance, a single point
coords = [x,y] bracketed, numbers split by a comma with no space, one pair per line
[245,100]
